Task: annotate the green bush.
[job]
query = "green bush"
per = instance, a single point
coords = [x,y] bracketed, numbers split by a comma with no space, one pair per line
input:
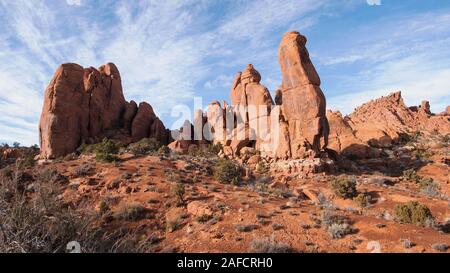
[205,150]
[411,174]
[163,150]
[106,150]
[178,192]
[144,146]
[426,185]
[413,213]
[227,172]
[344,186]
[261,167]
[363,200]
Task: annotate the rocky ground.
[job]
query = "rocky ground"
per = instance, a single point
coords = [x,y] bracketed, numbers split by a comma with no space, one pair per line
[165,202]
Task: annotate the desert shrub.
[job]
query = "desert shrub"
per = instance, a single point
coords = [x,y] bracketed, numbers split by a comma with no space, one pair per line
[83,169]
[131,212]
[45,223]
[262,167]
[227,172]
[70,157]
[440,247]
[50,175]
[178,192]
[408,243]
[245,228]
[26,160]
[411,174]
[173,176]
[163,150]
[413,213]
[363,200]
[203,218]
[423,153]
[8,172]
[338,231]
[205,150]
[175,222]
[106,150]
[344,186]
[337,226]
[414,137]
[445,139]
[428,187]
[328,217]
[268,245]
[144,146]
[103,207]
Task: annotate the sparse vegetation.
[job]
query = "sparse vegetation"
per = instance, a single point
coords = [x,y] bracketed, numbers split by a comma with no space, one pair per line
[413,213]
[163,150]
[144,146]
[203,218]
[83,169]
[44,223]
[410,174]
[130,212]
[428,187]
[103,207]
[227,172]
[336,225]
[174,223]
[363,200]
[268,245]
[440,247]
[205,150]
[178,192]
[245,228]
[262,167]
[106,150]
[339,230]
[344,186]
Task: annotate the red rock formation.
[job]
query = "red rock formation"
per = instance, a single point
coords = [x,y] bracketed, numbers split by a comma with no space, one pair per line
[85,105]
[379,123]
[342,138]
[301,99]
[303,126]
[383,120]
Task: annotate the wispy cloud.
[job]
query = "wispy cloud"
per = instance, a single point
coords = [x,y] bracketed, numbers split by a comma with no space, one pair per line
[73,2]
[410,54]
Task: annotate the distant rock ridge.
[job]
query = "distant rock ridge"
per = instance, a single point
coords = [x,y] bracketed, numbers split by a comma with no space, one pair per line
[83,105]
[380,123]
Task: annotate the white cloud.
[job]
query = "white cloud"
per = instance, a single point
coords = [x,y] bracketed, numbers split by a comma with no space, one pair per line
[73,2]
[220,81]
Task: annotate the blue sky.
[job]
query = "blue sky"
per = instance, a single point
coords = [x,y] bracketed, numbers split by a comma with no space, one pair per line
[170,51]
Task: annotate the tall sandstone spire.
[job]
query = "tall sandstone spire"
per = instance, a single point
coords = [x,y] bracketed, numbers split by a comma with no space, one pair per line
[303,105]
